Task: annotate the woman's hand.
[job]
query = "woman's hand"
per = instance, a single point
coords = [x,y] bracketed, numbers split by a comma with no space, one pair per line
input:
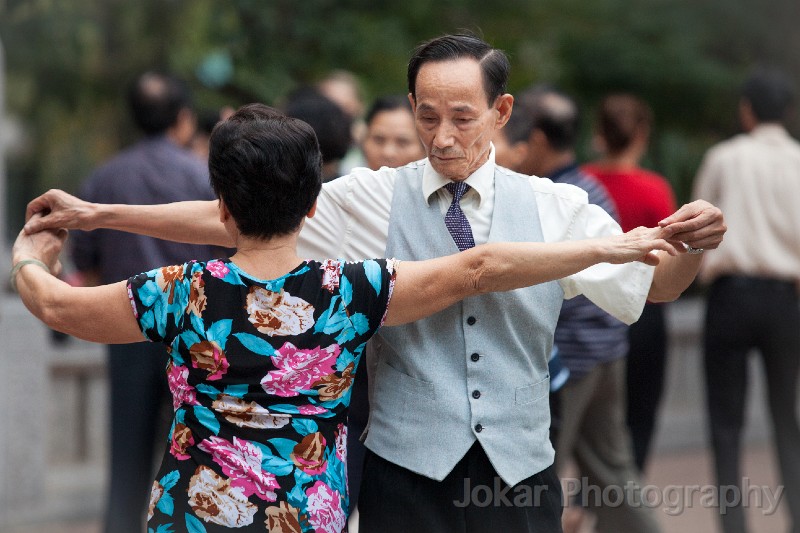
[639,244]
[58,209]
[44,246]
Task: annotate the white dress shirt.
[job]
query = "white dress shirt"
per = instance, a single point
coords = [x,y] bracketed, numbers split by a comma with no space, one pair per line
[755,179]
[352,223]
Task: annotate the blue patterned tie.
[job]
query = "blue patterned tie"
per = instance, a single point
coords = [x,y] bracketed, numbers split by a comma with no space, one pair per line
[455,219]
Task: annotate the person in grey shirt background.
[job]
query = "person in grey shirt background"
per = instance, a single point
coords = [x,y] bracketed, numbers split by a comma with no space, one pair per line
[157,169]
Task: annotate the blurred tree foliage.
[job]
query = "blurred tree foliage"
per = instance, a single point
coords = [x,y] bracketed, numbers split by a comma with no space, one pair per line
[69,62]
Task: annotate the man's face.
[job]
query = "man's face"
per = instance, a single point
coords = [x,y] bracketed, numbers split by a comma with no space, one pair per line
[453,119]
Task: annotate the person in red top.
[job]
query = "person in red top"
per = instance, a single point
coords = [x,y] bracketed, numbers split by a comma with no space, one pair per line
[642,198]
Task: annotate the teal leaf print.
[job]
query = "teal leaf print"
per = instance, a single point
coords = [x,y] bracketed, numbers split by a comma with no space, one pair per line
[190,338]
[209,391]
[163,528]
[160,317]
[301,478]
[297,496]
[276,465]
[206,417]
[255,344]
[283,447]
[336,479]
[330,321]
[345,290]
[165,504]
[197,324]
[147,321]
[304,426]
[219,332]
[193,525]
[373,271]
[347,334]
[149,293]
[345,358]
[360,323]
[169,480]
[237,391]
[285,408]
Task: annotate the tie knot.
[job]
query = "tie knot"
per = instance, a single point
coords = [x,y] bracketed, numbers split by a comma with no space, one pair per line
[457,189]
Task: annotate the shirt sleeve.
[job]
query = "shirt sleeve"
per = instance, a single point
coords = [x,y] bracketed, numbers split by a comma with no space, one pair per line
[159,299]
[371,283]
[565,214]
[352,217]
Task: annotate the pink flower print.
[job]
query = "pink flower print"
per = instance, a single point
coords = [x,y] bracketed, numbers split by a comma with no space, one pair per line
[324,509]
[330,274]
[309,409]
[241,461]
[182,392]
[207,355]
[182,439]
[217,268]
[133,302]
[297,369]
[341,443]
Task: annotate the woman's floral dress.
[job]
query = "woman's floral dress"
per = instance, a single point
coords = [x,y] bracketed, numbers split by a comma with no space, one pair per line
[260,373]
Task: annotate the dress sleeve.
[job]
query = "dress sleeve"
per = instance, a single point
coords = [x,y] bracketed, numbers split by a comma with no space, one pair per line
[159,299]
[372,282]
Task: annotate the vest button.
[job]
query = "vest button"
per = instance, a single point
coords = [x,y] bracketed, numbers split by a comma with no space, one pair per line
[471,320]
[475,357]
[476,394]
[478,428]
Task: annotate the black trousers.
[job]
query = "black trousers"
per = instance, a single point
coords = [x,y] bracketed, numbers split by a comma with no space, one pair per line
[747,313]
[647,357]
[140,409]
[471,499]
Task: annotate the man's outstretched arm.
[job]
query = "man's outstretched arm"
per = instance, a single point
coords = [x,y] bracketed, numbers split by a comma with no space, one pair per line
[195,222]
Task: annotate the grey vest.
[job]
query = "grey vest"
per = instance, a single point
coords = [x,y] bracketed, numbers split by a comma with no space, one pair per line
[477,370]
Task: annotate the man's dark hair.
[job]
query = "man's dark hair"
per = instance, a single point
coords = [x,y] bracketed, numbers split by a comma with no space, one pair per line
[267,169]
[155,99]
[553,113]
[770,93]
[387,103]
[329,121]
[494,63]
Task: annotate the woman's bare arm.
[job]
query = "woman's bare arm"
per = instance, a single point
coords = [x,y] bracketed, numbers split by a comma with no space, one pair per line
[194,222]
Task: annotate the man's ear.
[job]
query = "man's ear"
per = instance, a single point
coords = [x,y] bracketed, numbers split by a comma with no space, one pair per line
[313,210]
[413,103]
[504,104]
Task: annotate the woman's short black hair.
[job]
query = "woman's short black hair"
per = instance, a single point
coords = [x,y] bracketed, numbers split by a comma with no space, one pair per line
[388,102]
[267,168]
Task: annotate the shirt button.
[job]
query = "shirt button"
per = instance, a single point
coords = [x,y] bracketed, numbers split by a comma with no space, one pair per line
[475,357]
[476,394]
[471,320]
[478,428]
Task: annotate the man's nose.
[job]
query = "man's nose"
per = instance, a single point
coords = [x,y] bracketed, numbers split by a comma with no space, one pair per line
[444,137]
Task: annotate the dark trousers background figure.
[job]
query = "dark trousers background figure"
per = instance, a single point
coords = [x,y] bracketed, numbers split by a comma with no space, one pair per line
[140,419]
[764,314]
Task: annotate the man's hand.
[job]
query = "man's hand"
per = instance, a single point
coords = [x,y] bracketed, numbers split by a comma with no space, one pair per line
[698,224]
[44,246]
[640,244]
[57,209]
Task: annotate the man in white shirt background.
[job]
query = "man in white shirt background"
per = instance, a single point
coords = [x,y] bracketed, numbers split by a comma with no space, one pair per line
[459,401]
[753,295]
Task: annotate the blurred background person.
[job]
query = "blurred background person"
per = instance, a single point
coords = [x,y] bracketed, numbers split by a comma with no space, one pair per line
[206,120]
[753,296]
[592,345]
[642,198]
[330,123]
[157,169]
[345,90]
[391,138]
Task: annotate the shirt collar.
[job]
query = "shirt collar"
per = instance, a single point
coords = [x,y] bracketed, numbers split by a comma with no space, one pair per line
[482,180]
[769,130]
